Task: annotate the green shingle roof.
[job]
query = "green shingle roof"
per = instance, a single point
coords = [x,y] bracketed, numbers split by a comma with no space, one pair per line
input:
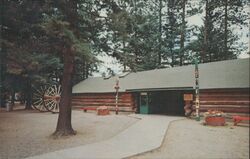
[222,74]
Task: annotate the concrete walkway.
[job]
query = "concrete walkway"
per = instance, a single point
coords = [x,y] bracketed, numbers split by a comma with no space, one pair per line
[145,135]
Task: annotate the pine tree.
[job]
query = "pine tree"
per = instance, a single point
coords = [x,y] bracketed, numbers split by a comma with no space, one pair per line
[233,15]
[38,36]
[172,32]
[219,40]
[21,44]
[183,30]
[74,27]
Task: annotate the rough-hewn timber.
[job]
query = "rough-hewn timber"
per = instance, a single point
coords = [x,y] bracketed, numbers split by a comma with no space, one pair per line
[126,101]
[232,101]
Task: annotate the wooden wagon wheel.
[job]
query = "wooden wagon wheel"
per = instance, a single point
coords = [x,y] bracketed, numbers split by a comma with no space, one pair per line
[51,98]
[37,100]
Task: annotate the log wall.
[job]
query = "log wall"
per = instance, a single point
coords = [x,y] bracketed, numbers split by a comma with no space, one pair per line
[126,101]
[232,101]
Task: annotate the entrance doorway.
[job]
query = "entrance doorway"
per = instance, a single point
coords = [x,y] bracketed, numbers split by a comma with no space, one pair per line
[144,103]
[169,102]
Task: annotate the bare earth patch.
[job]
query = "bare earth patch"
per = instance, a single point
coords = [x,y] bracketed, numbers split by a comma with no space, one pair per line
[28,133]
[189,139]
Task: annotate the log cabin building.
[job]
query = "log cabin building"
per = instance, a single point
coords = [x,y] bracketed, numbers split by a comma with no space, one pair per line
[223,86]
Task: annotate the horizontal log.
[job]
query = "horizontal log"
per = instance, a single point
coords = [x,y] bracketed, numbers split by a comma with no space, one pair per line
[227,97]
[224,106]
[97,94]
[104,104]
[223,99]
[102,100]
[225,102]
[100,103]
[101,97]
[225,94]
[245,90]
[112,108]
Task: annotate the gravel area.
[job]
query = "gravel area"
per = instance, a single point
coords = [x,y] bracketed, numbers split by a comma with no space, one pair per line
[189,139]
[28,133]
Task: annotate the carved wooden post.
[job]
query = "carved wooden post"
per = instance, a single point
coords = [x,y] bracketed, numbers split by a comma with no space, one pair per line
[116,96]
[197,94]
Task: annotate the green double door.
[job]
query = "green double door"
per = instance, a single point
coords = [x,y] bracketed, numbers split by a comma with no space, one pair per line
[144,103]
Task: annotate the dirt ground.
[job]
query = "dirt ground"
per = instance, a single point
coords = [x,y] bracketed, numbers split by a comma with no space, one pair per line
[28,133]
[189,139]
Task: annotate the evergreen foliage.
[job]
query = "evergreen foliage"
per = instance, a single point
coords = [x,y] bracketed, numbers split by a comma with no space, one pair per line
[217,39]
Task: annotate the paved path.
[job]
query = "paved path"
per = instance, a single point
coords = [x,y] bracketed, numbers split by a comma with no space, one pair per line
[145,135]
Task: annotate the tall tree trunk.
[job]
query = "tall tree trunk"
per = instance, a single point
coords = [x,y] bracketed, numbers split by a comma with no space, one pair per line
[182,40]
[13,96]
[225,31]
[64,126]
[205,42]
[86,70]
[124,59]
[3,66]
[160,33]
[172,57]
[171,26]
[28,94]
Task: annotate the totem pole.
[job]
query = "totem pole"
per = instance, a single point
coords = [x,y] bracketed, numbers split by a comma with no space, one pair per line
[197,97]
[116,95]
